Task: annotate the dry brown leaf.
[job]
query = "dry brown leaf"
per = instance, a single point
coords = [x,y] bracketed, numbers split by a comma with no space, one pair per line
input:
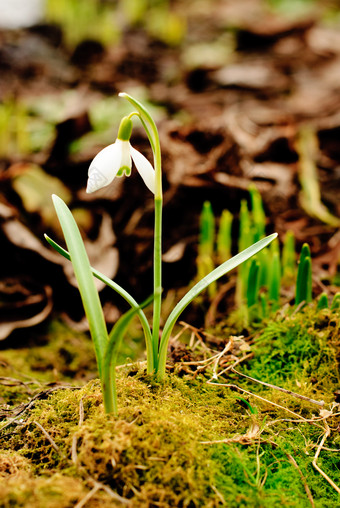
[23,305]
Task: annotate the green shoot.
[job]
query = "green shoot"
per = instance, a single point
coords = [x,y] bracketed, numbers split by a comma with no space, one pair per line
[288,257]
[275,281]
[110,358]
[253,283]
[82,270]
[207,230]
[205,263]
[336,302]
[303,291]
[258,215]
[224,236]
[263,305]
[323,301]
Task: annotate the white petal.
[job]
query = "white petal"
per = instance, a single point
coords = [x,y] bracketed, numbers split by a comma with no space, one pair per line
[104,167]
[144,168]
[125,161]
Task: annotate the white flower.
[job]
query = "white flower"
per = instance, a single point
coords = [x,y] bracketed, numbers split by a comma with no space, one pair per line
[115,160]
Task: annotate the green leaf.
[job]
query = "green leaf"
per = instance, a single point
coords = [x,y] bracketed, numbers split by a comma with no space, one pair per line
[323,302]
[275,280]
[124,294]
[253,283]
[336,302]
[303,291]
[207,230]
[199,287]
[224,239]
[110,357]
[82,271]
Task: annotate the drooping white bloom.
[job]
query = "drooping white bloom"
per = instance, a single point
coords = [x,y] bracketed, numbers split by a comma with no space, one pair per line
[115,160]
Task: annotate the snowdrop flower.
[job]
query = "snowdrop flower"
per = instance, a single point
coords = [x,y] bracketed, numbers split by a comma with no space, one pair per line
[115,160]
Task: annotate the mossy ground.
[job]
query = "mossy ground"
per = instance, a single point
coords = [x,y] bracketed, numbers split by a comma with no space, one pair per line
[184,442]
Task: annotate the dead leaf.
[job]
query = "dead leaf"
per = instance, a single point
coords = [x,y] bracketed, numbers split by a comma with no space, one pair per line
[23,305]
[35,188]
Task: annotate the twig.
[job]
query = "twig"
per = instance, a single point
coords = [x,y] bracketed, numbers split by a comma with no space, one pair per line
[100,486]
[211,358]
[218,494]
[48,437]
[114,495]
[219,356]
[87,498]
[289,392]
[304,481]
[307,420]
[237,362]
[11,381]
[316,456]
[257,396]
[198,332]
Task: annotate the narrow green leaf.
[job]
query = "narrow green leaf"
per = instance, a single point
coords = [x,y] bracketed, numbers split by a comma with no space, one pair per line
[288,255]
[207,230]
[304,282]
[199,287]
[110,357]
[253,283]
[303,291]
[323,302]
[258,215]
[224,238]
[336,302]
[264,305]
[82,271]
[124,294]
[275,280]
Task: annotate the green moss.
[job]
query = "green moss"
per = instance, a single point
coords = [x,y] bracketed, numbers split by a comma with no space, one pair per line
[300,349]
[56,354]
[184,442]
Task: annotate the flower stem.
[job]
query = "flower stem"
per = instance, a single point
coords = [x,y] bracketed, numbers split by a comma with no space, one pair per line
[157,256]
[152,133]
[157,271]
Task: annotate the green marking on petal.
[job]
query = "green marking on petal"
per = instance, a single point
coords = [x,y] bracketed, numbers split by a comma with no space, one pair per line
[124,170]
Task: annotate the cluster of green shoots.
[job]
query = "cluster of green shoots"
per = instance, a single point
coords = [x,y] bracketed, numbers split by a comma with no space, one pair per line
[112,161]
[260,280]
[103,22]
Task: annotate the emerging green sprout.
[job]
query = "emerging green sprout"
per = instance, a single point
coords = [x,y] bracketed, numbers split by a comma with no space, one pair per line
[336,302]
[323,301]
[224,236]
[288,257]
[205,261]
[259,280]
[303,291]
[115,160]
